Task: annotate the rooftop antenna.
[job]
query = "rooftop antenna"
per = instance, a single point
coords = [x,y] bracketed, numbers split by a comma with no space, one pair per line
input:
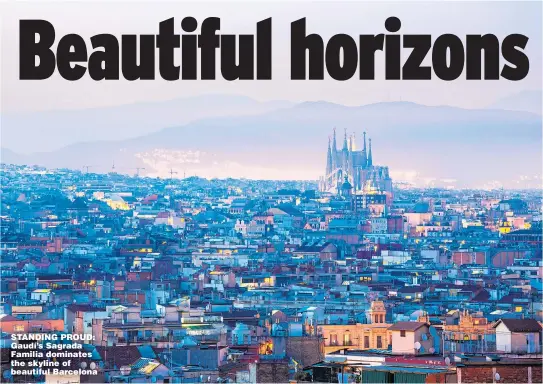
[86,167]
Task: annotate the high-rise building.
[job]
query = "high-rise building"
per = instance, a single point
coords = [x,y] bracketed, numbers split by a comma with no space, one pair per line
[354,166]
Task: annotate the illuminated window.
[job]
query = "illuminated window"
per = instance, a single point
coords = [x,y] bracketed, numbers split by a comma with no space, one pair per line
[19,328]
[347,339]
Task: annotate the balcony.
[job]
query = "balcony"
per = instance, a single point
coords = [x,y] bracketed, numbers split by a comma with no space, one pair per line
[338,344]
[137,340]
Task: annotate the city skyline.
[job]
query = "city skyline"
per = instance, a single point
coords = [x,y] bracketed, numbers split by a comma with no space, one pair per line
[132,123]
[272,231]
[213,146]
[177,177]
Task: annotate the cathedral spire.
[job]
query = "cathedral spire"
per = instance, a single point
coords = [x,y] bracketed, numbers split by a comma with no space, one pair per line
[370,160]
[335,159]
[351,161]
[345,146]
[329,164]
[364,152]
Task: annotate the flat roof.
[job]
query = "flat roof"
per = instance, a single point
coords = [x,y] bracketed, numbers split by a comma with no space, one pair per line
[401,368]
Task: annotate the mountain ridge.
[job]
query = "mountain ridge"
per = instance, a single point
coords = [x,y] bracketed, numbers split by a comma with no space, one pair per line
[405,136]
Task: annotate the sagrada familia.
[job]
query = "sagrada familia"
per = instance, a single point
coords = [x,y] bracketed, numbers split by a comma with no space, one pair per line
[354,167]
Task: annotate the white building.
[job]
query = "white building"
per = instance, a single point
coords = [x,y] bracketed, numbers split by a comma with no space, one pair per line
[518,336]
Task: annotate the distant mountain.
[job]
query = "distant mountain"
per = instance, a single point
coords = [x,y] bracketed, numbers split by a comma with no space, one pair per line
[527,101]
[474,147]
[8,156]
[52,130]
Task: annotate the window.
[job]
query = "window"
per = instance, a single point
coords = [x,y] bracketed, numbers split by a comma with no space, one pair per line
[381,318]
[402,333]
[347,339]
[333,339]
[366,341]
[379,342]
[19,328]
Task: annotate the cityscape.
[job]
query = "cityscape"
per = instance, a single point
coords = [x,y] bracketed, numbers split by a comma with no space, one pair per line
[351,278]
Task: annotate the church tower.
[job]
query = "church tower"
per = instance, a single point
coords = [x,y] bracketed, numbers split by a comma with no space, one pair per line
[377,312]
[346,189]
[364,153]
[329,163]
[370,159]
[355,164]
[351,160]
[334,152]
[345,153]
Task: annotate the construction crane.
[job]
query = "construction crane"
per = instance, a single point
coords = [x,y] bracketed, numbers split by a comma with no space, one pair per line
[86,167]
[172,172]
[138,169]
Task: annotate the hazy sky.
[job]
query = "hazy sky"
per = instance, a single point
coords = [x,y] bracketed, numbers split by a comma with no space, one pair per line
[325,18]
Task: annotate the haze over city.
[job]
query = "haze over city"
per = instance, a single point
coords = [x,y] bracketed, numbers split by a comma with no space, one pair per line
[131,123]
[272,231]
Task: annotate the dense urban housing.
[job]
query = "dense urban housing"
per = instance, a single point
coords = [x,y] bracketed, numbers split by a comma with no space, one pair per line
[349,279]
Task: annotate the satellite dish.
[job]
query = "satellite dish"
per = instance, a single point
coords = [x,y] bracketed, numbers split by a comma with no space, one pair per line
[83,365]
[432,350]
[417,345]
[497,376]
[448,360]
[93,365]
